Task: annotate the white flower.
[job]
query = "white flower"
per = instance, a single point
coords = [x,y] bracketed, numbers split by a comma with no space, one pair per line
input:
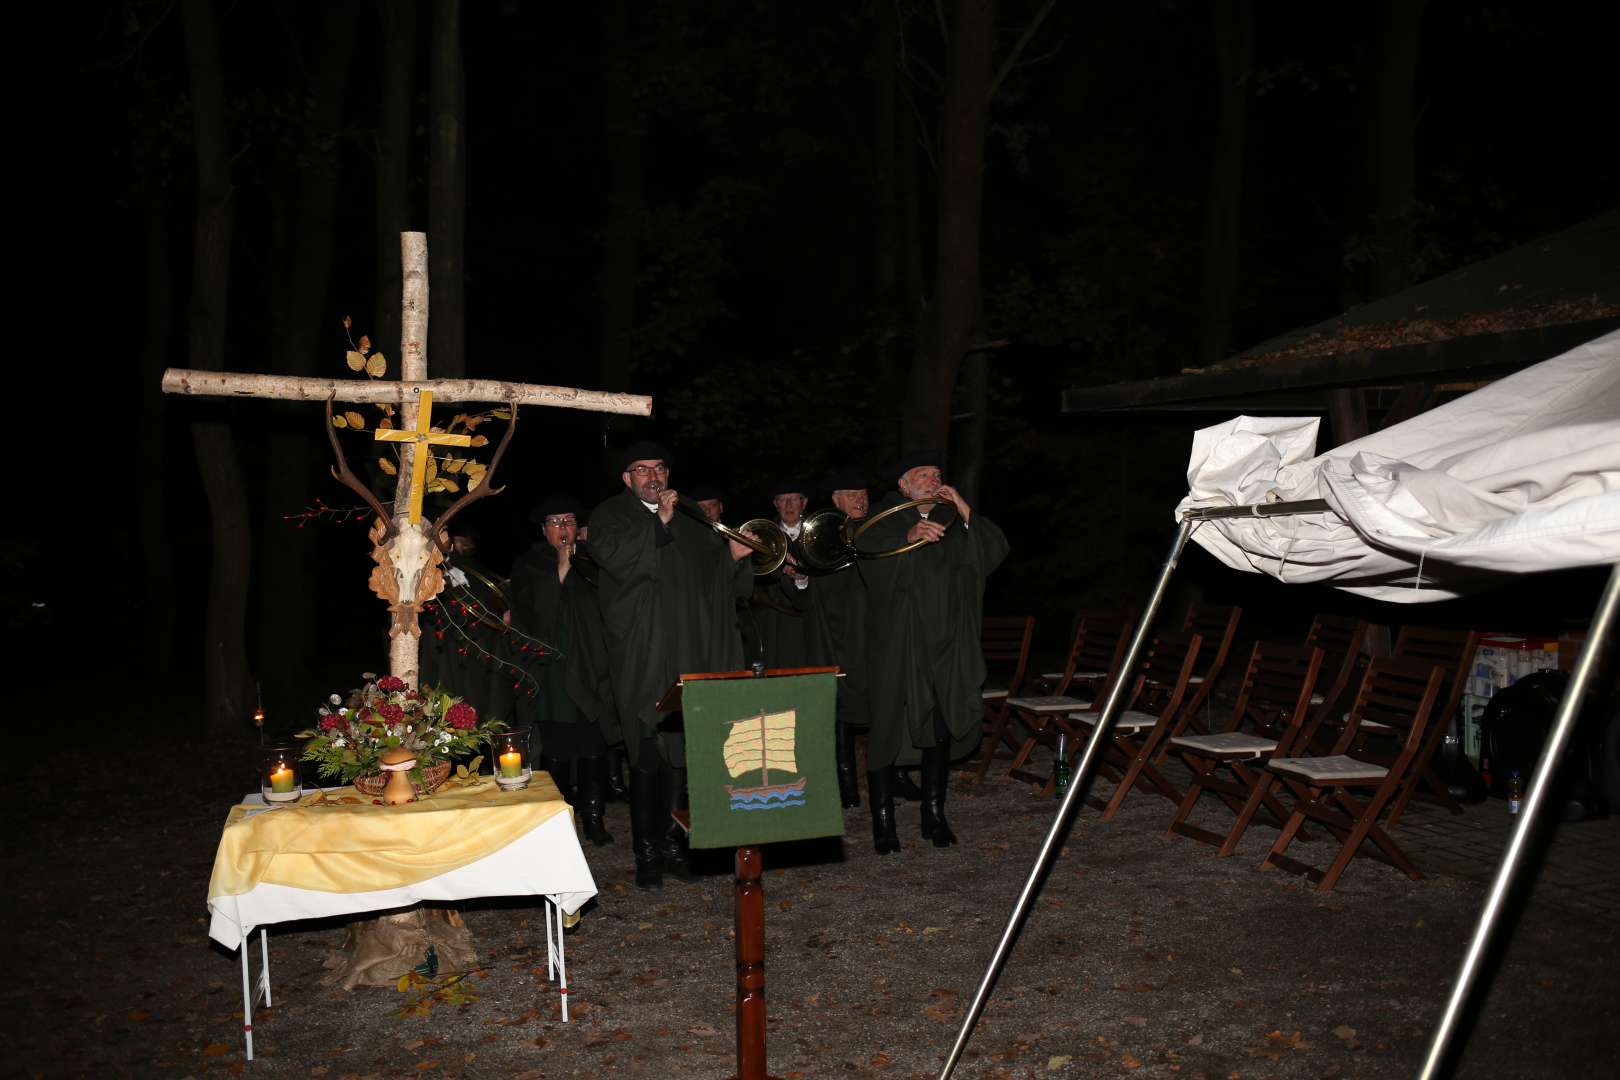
[457,577]
[338,742]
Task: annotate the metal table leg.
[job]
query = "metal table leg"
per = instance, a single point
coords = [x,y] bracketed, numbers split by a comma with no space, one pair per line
[250,995]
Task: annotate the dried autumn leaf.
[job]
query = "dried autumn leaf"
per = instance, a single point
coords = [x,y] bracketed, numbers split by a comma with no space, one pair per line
[879,1060]
[501,414]
[138,1015]
[377,366]
[1130,1061]
[355,420]
[338,421]
[365,344]
[479,440]
[435,485]
[385,424]
[216,1050]
[347,322]
[357,362]
[387,466]
[1344,1031]
[454,464]
[474,481]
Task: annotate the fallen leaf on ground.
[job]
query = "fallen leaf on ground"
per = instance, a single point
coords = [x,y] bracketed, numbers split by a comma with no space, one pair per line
[1130,1061]
[1195,1040]
[1057,1061]
[216,1050]
[1344,1031]
[879,1060]
[1136,1021]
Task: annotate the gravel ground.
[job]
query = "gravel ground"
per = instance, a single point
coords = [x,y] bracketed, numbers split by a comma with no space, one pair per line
[1145,956]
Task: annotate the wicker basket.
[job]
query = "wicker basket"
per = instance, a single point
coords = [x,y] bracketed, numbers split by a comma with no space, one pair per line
[373,783]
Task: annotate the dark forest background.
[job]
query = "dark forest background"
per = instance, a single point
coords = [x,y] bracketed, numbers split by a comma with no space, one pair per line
[771,218]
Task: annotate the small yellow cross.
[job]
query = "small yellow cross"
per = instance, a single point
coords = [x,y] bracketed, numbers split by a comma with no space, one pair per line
[423,437]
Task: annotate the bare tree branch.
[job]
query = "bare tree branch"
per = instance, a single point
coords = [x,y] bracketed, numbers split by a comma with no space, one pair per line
[1012,58]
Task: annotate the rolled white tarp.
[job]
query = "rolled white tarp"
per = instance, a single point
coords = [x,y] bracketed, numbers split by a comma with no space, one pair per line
[1520,476]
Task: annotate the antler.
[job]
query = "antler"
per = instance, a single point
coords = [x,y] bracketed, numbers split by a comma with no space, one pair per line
[486,487]
[341,472]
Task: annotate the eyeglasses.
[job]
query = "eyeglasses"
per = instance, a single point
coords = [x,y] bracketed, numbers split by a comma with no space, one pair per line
[562,522]
[644,471]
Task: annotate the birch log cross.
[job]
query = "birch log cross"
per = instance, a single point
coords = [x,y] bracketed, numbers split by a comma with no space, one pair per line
[408,554]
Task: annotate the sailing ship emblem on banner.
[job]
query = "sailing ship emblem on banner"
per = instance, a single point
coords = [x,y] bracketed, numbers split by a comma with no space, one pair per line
[759,744]
[759,759]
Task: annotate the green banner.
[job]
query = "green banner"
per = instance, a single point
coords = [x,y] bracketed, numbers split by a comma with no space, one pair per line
[760,765]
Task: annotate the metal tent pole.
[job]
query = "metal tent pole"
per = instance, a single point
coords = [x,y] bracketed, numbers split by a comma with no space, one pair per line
[1540,783]
[1116,697]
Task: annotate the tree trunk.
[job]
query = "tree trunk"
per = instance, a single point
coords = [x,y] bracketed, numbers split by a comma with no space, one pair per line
[1234,40]
[954,310]
[447,192]
[621,255]
[229,686]
[157,560]
[1389,72]
[303,317]
[398,18]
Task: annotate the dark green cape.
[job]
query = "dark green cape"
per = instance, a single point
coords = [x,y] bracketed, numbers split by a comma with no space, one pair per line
[789,626]
[840,615]
[567,615]
[925,611]
[667,597]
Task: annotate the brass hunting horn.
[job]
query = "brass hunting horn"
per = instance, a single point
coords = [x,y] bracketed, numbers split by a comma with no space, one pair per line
[828,541]
[768,543]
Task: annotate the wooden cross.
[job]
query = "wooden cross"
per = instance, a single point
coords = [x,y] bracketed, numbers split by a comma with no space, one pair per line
[421,436]
[407,557]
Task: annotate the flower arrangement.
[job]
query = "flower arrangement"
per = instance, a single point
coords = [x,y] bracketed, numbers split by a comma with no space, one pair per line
[351,732]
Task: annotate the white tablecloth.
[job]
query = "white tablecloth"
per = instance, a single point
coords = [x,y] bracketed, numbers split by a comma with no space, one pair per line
[547,861]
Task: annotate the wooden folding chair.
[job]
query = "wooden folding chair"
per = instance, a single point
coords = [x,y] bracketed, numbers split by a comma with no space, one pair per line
[1147,719]
[1454,651]
[1095,654]
[1399,694]
[1104,628]
[1005,641]
[1217,624]
[1274,698]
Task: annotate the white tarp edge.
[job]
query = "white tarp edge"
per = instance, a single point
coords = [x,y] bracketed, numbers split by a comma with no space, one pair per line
[1520,476]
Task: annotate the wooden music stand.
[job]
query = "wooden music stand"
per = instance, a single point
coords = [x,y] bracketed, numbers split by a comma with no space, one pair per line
[749,895]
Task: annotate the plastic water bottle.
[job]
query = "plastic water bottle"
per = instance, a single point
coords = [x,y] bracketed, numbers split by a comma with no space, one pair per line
[1060,767]
[1515,791]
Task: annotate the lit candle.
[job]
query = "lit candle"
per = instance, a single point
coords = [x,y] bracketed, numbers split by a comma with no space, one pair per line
[511,764]
[281,778]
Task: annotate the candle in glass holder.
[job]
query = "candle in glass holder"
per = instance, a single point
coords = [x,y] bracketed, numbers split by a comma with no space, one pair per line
[511,764]
[281,778]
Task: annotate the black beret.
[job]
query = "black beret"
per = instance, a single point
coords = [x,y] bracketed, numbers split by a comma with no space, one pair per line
[791,485]
[850,479]
[558,502]
[644,451]
[916,459]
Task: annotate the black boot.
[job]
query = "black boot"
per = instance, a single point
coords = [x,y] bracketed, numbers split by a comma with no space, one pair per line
[616,787]
[936,763]
[672,844]
[904,786]
[849,789]
[646,806]
[591,791]
[878,793]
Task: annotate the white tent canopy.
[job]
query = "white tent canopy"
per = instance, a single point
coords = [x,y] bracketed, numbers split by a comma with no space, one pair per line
[1520,476]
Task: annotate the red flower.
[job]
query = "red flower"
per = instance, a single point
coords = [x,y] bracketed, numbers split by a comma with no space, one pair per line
[330,721]
[393,714]
[462,715]
[390,683]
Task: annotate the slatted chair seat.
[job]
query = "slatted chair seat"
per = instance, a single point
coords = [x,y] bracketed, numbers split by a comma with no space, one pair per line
[1129,720]
[1272,703]
[1350,795]
[1226,742]
[1335,768]
[1317,699]
[1005,642]
[1095,653]
[1051,703]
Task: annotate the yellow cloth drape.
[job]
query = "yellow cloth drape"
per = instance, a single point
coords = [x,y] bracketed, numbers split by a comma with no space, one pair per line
[335,846]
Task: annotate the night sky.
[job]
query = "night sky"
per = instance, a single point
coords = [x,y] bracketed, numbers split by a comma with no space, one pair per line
[756,328]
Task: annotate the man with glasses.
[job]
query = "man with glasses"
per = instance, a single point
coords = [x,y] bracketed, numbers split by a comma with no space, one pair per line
[924,613]
[668,593]
[555,600]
